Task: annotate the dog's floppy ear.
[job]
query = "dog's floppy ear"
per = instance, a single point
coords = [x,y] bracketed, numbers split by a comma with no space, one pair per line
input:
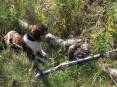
[43,29]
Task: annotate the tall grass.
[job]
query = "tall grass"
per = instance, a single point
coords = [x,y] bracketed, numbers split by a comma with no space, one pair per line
[67,19]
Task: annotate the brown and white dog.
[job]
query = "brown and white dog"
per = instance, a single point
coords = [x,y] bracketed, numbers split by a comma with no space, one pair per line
[13,39]
[33,39]
[31,42]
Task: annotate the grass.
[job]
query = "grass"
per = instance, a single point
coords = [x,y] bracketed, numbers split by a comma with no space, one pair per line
[14,72]
[66,19]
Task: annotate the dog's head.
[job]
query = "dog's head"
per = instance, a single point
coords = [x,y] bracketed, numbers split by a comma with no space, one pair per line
[38,32]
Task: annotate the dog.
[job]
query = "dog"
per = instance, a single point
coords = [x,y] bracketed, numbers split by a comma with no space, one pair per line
[33,39]
[31,43]
[12,39]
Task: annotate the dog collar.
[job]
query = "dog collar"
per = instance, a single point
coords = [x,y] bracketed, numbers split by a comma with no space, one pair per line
[30,37]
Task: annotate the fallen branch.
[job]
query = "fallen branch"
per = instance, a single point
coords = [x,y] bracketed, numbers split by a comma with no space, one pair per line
[24,24]
[69,63]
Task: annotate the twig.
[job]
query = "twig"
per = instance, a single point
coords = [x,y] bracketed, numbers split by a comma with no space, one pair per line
[18,45]
[69,63]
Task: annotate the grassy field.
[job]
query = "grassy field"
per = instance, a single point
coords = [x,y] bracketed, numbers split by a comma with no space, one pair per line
[95,19]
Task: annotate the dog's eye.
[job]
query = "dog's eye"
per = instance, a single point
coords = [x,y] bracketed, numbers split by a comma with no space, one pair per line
[35,31]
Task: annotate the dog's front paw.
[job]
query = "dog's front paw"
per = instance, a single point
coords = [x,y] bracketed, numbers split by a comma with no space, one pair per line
[44,54]
[41,54]
[49,35]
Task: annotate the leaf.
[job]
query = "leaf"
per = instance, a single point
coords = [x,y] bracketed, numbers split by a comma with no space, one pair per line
[41,17]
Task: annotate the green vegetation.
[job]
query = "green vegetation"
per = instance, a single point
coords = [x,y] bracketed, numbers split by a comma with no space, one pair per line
[95,19]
